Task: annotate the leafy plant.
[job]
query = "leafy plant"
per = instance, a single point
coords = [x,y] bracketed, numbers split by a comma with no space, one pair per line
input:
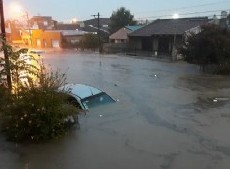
[23,67]
[36,115]
[89,41]
[34,111]
[210,46]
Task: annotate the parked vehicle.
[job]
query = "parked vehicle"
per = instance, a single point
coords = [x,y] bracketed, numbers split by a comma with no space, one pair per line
[84,96]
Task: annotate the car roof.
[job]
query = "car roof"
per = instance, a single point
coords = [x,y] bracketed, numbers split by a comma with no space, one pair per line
[80,90]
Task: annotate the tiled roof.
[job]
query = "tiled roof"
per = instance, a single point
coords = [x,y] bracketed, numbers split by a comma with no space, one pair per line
[169,26]
[120,34]
[102,21]
[67,26]
[73,32]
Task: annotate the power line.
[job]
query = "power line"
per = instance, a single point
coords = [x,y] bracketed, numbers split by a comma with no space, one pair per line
[183,14]
[188,7]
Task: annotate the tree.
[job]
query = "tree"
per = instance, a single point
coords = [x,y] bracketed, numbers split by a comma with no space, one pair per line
[210,46]
[89,41]
[120,18]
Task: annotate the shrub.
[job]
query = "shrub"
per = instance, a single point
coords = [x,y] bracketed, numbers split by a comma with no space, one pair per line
[223,69]
[34,110]
[36,114]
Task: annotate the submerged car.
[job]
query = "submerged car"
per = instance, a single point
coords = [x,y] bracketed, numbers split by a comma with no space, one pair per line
[84,96]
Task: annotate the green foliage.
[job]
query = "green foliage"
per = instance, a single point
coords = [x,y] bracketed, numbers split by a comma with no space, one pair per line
[34,111]
[4,97]
[89,41]
[22,66]
[210,46]
[120,18]
[36,115]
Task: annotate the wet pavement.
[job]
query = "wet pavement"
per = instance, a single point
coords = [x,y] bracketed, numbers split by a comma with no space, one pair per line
[169,116]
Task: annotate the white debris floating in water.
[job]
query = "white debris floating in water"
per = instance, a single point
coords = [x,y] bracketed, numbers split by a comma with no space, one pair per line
[220,99]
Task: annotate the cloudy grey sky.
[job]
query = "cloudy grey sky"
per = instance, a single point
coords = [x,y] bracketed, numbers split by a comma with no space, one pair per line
[64,10]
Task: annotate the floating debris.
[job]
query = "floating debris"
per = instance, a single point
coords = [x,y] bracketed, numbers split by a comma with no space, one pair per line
[100,115]
[221,99]
[215,100]
[155,76]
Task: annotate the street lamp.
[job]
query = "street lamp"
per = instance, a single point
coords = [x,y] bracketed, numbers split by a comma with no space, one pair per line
[18,10]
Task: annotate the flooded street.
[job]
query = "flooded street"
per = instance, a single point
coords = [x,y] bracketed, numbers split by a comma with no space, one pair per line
[169,116]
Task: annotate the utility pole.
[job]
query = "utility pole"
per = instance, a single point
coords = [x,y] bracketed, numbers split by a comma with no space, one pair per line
[98,31]
[6,56]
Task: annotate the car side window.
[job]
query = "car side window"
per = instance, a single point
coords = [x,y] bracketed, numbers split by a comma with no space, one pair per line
[74,102]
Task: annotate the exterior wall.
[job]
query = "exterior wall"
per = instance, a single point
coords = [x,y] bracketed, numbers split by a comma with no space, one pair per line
[155,44]
[115,47]
[13,33]
[135,43]
[40,22]
[44,39]
[161,44]
[73,39]
[26,37]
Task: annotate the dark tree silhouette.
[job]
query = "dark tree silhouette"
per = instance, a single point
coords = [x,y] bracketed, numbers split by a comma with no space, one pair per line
[120,18]
[210,46]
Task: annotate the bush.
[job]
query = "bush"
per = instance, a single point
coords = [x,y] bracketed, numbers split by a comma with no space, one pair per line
[223,69]
[210,46]
[36,114]
[33,110]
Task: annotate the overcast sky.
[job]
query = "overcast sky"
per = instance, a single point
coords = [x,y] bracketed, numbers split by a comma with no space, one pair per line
[64,10]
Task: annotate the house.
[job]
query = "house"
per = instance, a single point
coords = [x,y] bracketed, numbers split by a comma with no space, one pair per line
[164,36]
[223,21]
[44,38]
[72,38]
[91,26]
[121,36]
[42,22]
[13,34]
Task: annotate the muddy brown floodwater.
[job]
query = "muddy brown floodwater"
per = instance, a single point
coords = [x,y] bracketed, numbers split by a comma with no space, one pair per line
[169,116]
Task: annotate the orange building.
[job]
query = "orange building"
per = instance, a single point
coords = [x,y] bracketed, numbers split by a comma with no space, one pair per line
[46,38]
[12,32]
[42,38]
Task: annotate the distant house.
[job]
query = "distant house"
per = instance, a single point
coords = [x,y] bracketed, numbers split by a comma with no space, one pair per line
[64,26]
[223,21]
[52,38]
[72,38]
[42,22]
[121,36]
[91,26]
[164,36]
[13,34]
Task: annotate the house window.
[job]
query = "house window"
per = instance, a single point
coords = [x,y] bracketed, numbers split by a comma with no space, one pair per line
[55,43]
[45,23]
[38,42]
[74,41]
[45,43]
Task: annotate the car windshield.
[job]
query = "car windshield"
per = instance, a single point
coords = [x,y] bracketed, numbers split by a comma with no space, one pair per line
[96,100]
